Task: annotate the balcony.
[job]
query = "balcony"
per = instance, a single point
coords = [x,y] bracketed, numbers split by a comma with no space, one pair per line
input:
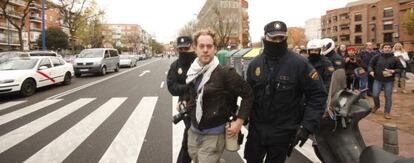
[344,32]
[35,6]
[17,2]
[35,18]
[6,26]
[13,13]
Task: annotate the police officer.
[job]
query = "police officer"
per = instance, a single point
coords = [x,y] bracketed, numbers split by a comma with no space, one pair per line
[322,64]
[280,118]
[329,51]
[176,85]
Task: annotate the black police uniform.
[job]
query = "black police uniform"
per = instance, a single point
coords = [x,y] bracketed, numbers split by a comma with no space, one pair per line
[279,86]
[324,67]
[177,86]
[337,61]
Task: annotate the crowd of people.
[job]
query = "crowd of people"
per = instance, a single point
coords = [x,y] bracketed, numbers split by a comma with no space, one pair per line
[283,96]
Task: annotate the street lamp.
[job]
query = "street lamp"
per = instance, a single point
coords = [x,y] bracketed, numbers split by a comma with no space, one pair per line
[43,26]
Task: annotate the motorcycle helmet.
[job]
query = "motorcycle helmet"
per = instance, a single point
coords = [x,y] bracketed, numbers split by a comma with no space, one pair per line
[328,45]
[314,44]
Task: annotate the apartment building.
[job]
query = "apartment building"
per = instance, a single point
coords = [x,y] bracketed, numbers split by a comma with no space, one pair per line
[377,21]
[130,37]
[313,28]
[235,19]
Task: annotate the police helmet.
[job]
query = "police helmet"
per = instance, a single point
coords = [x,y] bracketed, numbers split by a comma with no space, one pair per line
[327,46]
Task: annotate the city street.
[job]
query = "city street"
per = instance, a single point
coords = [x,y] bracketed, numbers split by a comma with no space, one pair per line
[120,117]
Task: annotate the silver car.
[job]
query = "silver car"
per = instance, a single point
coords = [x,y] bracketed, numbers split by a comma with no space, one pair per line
[127,60]
[96,60]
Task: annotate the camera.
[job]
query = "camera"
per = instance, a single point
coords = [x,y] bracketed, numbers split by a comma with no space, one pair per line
[183,112]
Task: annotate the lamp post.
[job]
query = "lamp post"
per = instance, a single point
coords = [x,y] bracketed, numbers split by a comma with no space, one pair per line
[43,26]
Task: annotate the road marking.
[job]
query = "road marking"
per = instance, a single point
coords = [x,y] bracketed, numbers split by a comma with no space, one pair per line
[166,72]
[26,110]
[245,132]
[95,82]
[18,135]
[61,147]
[144,72]
[10,104]
[178,129]
[162,84]
[127,144]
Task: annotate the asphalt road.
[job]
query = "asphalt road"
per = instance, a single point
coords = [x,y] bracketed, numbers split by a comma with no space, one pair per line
[120,117]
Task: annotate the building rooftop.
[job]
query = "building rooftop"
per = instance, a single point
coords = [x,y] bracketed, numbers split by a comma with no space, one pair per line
[360,2]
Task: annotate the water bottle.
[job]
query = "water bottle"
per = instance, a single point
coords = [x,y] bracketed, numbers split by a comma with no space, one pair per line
[231,143]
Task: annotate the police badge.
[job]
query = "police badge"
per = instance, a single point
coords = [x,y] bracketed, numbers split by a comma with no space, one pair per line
[180,71]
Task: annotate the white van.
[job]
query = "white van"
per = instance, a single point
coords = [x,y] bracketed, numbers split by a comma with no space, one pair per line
[96,60]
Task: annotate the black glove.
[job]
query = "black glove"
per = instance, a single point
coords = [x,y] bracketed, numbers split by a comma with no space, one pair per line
[302,135]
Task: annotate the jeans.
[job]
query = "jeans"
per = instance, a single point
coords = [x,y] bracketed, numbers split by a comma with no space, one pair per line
[377,87]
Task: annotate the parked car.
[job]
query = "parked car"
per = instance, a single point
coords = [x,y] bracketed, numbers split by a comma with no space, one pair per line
[96,60]
[142,56]
[11,54]
[127,60]
[26,74]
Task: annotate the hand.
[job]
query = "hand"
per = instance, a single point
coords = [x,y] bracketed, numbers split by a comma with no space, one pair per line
[372,74]
[184,103]
[390,70]
[302,135]
[234,127]
[347,59]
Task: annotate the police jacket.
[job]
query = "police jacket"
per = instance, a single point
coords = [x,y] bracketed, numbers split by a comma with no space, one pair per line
[384,61]
[220,98]
[336,59]
[325,69]
[176,78]
[278,107]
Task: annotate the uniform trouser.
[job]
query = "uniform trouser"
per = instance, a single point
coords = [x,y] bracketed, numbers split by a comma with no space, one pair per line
[255,150]
[205,148]
[378,86]
[363,84]
[183,156]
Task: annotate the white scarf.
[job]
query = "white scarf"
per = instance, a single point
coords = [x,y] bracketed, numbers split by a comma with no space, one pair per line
[196,70]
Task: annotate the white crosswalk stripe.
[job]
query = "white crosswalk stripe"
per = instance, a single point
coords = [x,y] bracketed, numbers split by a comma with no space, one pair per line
[22,133]
[61,147]
[10,104]
[127,144]
[26,110]
[178,130]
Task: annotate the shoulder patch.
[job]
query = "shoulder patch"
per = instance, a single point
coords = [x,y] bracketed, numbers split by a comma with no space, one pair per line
[257,71]
[338,62]
[331,68]
[313,74]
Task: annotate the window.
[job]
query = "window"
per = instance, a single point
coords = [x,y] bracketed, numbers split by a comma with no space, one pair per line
[335,28]
[344,37]
[335,18]
[55,62]
[358,16]
[358,39]
[387,37]
[107,54]
[358,28]
[344,27]
[114,53]
[335,39]
[45,62]
[388,12]
[388,25]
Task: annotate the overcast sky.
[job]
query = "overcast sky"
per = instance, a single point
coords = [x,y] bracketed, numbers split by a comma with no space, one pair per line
[164,18]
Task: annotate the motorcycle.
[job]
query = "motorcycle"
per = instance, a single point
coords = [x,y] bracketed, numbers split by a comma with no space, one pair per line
[339,139]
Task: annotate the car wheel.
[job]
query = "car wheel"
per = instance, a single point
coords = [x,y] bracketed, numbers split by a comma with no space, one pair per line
[68,79]
[103,71]
[117,68]
[28,87]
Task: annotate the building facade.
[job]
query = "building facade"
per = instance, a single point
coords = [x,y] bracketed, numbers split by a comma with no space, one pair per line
[377,21]
[313,28]
[130,37]
[229,18]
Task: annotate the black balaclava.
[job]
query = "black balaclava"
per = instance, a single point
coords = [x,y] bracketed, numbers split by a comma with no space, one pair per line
[187,57]
[273,49]
[390,54]
[313,57]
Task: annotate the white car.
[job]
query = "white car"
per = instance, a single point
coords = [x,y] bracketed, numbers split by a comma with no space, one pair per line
[127,60]
[26,74]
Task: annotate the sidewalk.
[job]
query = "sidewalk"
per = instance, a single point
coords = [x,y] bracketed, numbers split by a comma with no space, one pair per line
[402,114]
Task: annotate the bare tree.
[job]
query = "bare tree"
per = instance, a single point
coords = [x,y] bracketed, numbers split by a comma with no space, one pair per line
[19,12]
[189,28]
[224,25]
[132,40]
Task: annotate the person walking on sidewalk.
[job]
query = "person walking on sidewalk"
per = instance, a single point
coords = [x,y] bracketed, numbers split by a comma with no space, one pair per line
[366,55]
[400,78]
[383,68]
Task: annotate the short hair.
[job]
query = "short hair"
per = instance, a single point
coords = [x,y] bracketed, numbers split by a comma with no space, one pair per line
[208,32]
[386,44]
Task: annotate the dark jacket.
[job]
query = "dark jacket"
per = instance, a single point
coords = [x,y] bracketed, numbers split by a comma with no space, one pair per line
[384,61]
[366,57]
[176,78]
[352,64]
[279,108]
[220,98]
[336,59]
[324,68]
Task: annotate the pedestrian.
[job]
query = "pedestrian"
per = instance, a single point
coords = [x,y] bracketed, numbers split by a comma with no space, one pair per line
[400,78]
[342,50]
[280,118]
[212,99]
[322,64]
[176,85]
[383,68]
[353,65]
[329,51]
[366,55]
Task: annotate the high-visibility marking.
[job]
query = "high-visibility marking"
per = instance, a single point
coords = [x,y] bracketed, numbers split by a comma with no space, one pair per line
[46,76]
[26,110]
[128,143]
[18,135]
[10,104]
[61,147]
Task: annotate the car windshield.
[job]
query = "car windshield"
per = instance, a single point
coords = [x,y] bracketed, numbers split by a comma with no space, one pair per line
[124,56]
[4,56]
[18,64]
[91,53]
